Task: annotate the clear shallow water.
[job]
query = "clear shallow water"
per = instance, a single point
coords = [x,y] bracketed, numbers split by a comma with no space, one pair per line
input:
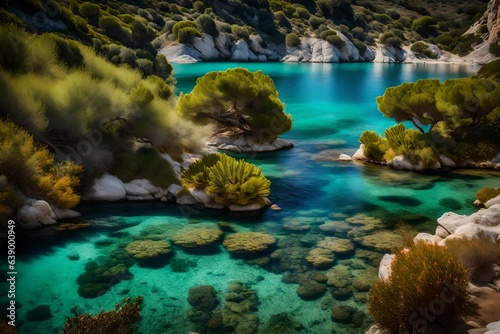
[331,105]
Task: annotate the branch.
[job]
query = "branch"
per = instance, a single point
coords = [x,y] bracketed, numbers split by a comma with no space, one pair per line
[416,125]
[142,140]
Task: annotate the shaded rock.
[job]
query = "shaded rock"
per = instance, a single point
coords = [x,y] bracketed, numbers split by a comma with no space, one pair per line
[296,226]
[311,291]
[339,276]
[321,257]
[106,188]
[401,163]
[426,237]
[335,227]
[34,214]
[73,256]
[342,294]
[446,162]
[39,313]
[200,196]
[342,314]
[203,298]
[248,242]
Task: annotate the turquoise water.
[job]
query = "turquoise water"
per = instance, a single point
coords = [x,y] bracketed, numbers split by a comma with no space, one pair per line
[331,105]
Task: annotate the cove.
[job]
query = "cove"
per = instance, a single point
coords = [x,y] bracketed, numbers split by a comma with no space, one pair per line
[364,205]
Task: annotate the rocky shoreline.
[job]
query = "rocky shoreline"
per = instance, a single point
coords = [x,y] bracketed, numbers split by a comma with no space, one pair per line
[483,223]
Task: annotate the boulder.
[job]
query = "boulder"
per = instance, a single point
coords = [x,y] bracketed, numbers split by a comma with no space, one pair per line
[342,314]
[311,291]
[344,157]
[202,298]
[337,245]
[150,188]
[426,237]
[401,163]
[200,196]
[186,199]
[107,188]
[174,189]
[181,53]
[360,153]
[135,190]
[450,221]
[446,162]
[384,270]
[64,213]
[34,214]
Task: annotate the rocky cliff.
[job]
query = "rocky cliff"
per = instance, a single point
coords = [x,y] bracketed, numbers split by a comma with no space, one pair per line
[490,18]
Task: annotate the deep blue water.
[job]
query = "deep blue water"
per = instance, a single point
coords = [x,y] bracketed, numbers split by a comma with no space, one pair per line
[331,105]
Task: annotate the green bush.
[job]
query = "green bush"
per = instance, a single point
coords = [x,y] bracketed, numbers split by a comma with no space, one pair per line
[374,145]
[186,35]
[315,21]
[145,163]
[181,25]
[325,33]
[389,38]
[360,46]
[207,25]
[422,278]
[486,193]
[494,49]
[335,40]
[227,180]
[113,28]
[292,39]
[359,33]
[425,26]
[121,320]
[240,32]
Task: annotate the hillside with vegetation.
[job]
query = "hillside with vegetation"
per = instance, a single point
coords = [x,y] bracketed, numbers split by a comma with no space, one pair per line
[132,32]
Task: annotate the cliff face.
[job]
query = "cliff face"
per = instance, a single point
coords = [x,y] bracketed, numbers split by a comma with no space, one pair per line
[490,18]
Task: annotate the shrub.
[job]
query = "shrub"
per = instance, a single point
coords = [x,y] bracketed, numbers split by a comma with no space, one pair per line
[91,12]
[483,29]
[303,13]
[292,39]
[186,35]
[30,167]
[181,25]
[374,145]
[389,38]
[145,163]
[121,320]
[477,255]
[423,277]
[335,40]
[494,49]
[487,193]
[425,26]
[315,21]
[197,175]
[359,33]
[227,180]
[199,6]
[325,33]
[207,25]
[360,46]
[240,32]
[112,27]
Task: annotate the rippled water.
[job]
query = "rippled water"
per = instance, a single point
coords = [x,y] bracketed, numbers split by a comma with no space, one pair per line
[331,105]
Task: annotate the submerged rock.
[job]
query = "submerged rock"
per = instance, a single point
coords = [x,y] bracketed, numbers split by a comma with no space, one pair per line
[249,242]
[39,313]
[147,249]
[320,257]
[381,241]
[337,245]
[342,314]
[192,237]
[311,291]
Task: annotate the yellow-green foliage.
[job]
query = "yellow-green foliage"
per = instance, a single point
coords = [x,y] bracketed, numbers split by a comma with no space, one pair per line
[478,255]
[121,320]
[30,167]
[9,199]
[237,98]
[374,145]
[81,95]
[227,180]
[425,277]
[197,175]
[486,193]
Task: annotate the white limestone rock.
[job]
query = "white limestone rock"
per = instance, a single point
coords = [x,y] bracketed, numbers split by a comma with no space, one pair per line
[206,47]
[241,52]
[107,188]
[64,213]
[181,54]
[200,196]
[493,201]
[360,153]
[427,237]
[187,199]
[384,269]
[344,157]
[451,221]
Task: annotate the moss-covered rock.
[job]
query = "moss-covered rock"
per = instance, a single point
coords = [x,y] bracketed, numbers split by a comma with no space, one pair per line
[337,245]
[249,242]
[193,237]
[320,257]
[147,249]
